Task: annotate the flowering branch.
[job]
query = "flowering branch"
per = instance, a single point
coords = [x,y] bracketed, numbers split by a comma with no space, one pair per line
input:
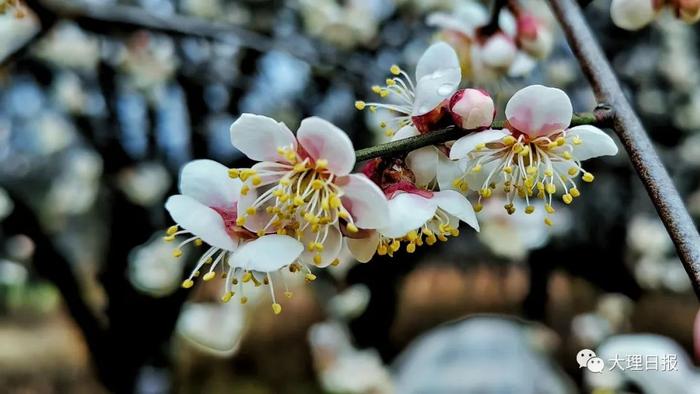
[634,137]
[601,116]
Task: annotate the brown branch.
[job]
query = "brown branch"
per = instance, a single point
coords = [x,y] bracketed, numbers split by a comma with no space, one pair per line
[634,137]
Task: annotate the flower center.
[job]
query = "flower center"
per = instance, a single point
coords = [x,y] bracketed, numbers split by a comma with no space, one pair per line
[437,228]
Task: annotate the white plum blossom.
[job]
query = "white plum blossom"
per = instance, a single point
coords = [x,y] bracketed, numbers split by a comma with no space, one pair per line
[207,211]
[419,103]
[535,156]
[302,185]
[636,14]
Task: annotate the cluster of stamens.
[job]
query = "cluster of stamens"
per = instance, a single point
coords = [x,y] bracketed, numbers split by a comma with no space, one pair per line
[304,199]
[527,170]
[437,228]
[400,86]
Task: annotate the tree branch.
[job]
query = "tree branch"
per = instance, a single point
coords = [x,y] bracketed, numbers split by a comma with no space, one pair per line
[633,136]
[602,116]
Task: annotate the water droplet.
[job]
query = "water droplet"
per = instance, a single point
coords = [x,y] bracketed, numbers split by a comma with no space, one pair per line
[445,89]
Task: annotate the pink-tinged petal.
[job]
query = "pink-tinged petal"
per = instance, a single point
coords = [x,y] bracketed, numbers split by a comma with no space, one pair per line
[472,109]
[594,142]
[261,218]
[423,162]
[363,249]
[407,211]
[632,14]
[449,170]
[405,132]
[258,137]
[522,65]
[457,205]
[332,245]
[538,110]
[208,182]
[267,253]
[200,220]
[438,75]
[324,141]
[463,146]
[364,200]
[498,51]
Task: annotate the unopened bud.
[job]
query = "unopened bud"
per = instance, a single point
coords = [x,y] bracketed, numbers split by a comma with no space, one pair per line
[632,14]
[533,37]
[688,10]
[472,109]
[498,51]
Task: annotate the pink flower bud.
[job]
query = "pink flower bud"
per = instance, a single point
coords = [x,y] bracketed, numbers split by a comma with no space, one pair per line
[533,37]
[688,10]
[498,51]
[472,109]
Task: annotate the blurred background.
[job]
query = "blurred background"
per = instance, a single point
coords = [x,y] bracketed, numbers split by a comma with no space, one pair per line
[101,103]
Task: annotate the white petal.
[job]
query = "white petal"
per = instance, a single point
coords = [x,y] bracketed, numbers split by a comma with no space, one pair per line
[457,205]
[405,132]
[538,110]
[463,146]
[200,220]
[363,249]
[331,246]
[449,170]
[498,51]
[522,65]
[268,253]
[449,22]
[322,140]
[208,182]
[437,76]
[507,23]
[423,162]
[407,212]
[258,137]
[632,14]
[595,142]
[364,200]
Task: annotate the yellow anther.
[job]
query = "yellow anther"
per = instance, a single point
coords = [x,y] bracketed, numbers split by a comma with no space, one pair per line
[476,169]
[198,242]
[382,249]
[548,221]
[531,170]
[574,192]
[454,232]
[227,297]
[282,231]
[288,294]
[300,167]
[394,69]
[431,240]
[577,140]
[335,262]
[317,184]
[389,132]
[529,209]
[464,187]
[376,89]
[479,147]
[549,208]
[566,155]
[551,188]
[548,172]
[177,252]
[352,228]
[508,140]
[310,277]
[187,283]
[360,105]
[256,180]
[245,174]
[244,300]
[373,108]
[517,148]
[298,201]
[247,277]
[540,186]
[412,235]
[234,173]
[277,308]
[209,276]
[572,171]
[240,220]
[395,245]
[390,82]
[382,124]
[508,169]
[311,246]
[560,141]
[169,238]
[588,177]
[250,210]
[317,259]
[244,190]
[485,192]
[525,152]
[321,164]
[334,201]
[478,207]
[567,198]
[172,230]
[383,93]
[411,247]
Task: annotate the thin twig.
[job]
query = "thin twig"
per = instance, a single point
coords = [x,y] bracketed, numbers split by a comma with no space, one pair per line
[600,117]
[634,137]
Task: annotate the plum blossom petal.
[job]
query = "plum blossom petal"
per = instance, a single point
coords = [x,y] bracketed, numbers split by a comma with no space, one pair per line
[363,249]
[423,163]
[498,51]
[324,141]
[267,253]
[438,75]
[632,14]
[592,142]
[469,142]
[258,137]
[208,182]
[332,244]
[405,132]
[200,220]
[407,212]
[538,110]
[456,205]
[260,219]
[364,200]
[449,170]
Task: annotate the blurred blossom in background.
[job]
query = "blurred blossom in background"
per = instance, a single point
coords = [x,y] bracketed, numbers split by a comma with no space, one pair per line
[97,118]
